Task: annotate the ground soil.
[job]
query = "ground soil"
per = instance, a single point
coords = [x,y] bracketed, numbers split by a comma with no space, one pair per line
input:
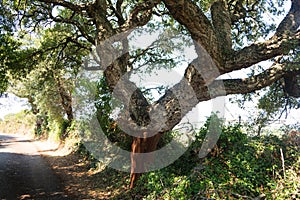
[82,178]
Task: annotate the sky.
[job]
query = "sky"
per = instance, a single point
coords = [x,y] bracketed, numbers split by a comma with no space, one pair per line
[12,104]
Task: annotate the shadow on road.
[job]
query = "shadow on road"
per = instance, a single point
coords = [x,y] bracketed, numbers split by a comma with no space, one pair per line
[27,177]
[24,174]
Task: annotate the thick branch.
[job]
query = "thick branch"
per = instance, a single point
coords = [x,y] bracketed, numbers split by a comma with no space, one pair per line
[291,22]
[285,39]
[258,52]
[180,99]
[191,16]
[292,84]
[140,15]
[98,12]
[222,25]
[119,84]
[251,84]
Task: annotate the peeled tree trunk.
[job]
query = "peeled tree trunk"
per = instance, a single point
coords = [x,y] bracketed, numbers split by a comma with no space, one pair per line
[141,145]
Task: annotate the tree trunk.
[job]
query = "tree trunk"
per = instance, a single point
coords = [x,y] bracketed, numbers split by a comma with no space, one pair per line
[66,100]
[292,84]
[141,145]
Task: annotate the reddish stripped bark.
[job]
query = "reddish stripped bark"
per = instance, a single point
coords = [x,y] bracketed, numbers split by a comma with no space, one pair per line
[141,145]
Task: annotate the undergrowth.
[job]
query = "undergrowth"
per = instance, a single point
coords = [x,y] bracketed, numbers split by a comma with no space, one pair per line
[238,167]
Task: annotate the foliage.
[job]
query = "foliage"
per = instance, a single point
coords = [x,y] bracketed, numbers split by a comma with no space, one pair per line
[7,45]
[14,57]
[20,123]
[239,166]
[7,49]
[49,86]
[254,25]
[105,116]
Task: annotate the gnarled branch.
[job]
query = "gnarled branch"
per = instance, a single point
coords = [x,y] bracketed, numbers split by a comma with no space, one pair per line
[202,32]
[222,25]
[140,15]
[261,51]
[285,38]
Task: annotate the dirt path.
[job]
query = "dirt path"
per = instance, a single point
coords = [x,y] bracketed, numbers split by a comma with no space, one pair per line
[23,172]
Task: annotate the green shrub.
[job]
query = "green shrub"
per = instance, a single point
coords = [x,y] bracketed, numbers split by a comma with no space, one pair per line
[238,167]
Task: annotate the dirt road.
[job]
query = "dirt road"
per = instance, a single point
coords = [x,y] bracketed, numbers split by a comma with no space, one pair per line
[23,172]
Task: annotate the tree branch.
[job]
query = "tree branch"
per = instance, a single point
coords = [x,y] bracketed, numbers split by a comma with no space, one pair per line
[118,11]
[257,82]
[291,22]
[222,26]
[258,52]
[237,10]
[81,28]
[140,15]
[285,38]
[202,32]
[181,99]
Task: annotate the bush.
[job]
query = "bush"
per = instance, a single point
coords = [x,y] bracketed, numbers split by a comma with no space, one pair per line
[238,167]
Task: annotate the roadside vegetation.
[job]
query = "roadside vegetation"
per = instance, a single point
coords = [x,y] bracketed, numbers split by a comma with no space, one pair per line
[20,123]
[240,166]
